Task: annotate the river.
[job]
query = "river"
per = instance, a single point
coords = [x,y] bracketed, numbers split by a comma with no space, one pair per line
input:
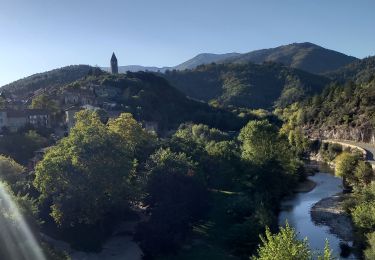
[296,210]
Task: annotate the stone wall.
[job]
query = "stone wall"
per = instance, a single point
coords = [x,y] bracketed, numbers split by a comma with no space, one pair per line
[365,135]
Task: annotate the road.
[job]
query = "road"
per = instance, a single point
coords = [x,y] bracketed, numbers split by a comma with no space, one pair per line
[369,148]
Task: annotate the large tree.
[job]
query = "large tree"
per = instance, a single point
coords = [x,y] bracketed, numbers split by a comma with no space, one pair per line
[87,174]
[176,198]
[133,135]
[260,141]
[44,102]
[283,245]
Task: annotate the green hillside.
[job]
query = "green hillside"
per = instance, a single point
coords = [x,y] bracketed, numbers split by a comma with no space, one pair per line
[148,97]
[360,71]
[246,85]
[305,56]
[49,79]
[340,111]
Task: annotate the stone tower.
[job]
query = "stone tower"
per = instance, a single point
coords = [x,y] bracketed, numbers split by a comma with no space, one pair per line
[114,65]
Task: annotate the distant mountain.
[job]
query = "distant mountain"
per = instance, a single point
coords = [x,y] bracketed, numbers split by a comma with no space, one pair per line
[49,79]
[205,58]
[360,71]
[305,56]
[136,68]
[247,85]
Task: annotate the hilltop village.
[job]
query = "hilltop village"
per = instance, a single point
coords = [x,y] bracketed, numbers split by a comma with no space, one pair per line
[55,107]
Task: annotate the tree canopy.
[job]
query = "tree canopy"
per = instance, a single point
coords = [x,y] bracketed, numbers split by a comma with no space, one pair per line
[87,174]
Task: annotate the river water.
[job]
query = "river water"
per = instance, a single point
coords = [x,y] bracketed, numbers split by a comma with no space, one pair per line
[296,210]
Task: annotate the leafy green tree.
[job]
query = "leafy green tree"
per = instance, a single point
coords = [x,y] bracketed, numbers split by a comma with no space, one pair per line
[370,250]
[283,245]
[133,135]
[200,133]
[298,140]
[345,166]
[176,199]
[259,141]
[10,170]
[86,175]
[262,143]
[363,215]
[44,102]
[21,146]
[286,245]
[327,252]
[13,174]
[364,173]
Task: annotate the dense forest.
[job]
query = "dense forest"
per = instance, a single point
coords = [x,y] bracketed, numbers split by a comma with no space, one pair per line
[304,56]
[345,111]
[360,71]
[200,183]
[340,111]
[246,85]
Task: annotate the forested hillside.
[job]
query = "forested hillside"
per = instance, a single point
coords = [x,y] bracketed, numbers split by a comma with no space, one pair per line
[49,79]
[149,98]
[340,111]
[246,85]
[360,71]
[305,56]
[205,58]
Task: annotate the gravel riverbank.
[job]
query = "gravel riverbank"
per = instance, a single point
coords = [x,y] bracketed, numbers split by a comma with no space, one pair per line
[330,212]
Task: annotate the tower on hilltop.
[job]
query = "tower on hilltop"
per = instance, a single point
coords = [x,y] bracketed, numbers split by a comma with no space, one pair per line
[114,65]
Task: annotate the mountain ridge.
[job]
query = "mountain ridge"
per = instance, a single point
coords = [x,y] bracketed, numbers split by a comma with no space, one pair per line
[247,84]
[305,56]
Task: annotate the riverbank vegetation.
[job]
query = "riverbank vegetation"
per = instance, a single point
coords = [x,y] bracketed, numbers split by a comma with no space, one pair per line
[201,191]
[286,245]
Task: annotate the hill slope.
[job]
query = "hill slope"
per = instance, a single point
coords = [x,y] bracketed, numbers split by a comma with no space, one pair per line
[145,95]
[360,71]
[49,79]
[246,85]
[305,56]
[340,112]
[205,58]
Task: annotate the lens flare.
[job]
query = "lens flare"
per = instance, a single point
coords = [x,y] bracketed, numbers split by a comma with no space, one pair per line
[16,238]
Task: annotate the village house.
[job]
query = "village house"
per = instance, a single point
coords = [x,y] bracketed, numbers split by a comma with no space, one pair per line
[107,91]
[15,119]
[79,97]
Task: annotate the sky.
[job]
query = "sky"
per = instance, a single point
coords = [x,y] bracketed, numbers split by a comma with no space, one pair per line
[40,35]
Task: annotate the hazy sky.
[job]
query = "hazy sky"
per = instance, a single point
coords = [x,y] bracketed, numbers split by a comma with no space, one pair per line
[39,35]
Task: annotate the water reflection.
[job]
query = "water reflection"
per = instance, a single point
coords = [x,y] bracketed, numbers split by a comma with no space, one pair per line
[296,211]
